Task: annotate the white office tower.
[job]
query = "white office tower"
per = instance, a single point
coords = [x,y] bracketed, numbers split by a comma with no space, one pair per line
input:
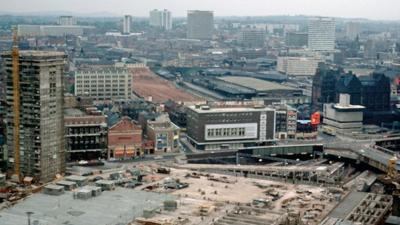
[321,34]
[126,25]
[200,24]
[66,21]
[161,19]
[352,30]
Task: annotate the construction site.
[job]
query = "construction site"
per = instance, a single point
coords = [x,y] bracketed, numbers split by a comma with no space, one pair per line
[174,192]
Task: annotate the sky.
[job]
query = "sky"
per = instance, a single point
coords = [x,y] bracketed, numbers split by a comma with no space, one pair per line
[370,9]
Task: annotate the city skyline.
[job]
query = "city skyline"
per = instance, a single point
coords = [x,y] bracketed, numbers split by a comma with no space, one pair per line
[369,9]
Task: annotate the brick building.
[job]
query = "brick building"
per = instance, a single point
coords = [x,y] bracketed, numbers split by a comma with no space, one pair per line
[125,139]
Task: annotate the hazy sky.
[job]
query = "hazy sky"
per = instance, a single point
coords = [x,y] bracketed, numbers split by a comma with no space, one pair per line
[372,9]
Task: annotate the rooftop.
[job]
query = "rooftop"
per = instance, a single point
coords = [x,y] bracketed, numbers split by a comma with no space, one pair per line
[36,54]
[257,84]
[208,109]
[111,207]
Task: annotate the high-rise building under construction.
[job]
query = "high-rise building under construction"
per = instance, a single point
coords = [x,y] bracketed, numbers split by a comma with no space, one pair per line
[35,102]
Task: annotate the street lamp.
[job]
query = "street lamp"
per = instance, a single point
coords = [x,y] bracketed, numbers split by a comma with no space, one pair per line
[29,217]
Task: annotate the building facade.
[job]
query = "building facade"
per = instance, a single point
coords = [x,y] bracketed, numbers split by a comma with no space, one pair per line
[286,122]
[51,30]
[342,117]
[66,21]
[200,25]
[85,134]
[126,24]
[298,66]
[161,19]
[215,127]
[321,34]
[163,133]
[353,30]
[296,39]
[253,37]
[125,139]
[104,84]
[42,144]
[324,86]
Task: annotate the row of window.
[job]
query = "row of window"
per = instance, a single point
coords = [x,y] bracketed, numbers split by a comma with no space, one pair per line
[226,132]
[103,81]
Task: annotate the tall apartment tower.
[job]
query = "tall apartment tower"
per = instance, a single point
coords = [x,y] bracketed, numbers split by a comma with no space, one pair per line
[321,34]
[41,120]
[161,19]
[126,24]
[200,25]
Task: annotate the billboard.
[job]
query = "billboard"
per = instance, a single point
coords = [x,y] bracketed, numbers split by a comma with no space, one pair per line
[315,118]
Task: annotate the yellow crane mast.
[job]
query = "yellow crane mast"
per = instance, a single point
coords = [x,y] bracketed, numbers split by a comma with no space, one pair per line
[16,106]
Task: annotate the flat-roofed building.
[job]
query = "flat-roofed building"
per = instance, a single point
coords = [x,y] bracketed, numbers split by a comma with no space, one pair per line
[230,126]
[85,134]
[321,34]
[253,37]
[296,39]
[41,120]
[51,30]
[343,117]
[109,83]
[298,66]
[200,24]
[66,21]
[163,133]
[263,87]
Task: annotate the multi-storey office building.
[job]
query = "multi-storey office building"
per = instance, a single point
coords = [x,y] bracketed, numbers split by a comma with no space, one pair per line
[298,66]
[321,34]
[104,84]
[200,24]
[66,21]
[85,134]
[253,37]
[214,127]
[41,130]
[296,39]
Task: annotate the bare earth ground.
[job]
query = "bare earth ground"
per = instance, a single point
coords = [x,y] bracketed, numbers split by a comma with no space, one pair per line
[146,84]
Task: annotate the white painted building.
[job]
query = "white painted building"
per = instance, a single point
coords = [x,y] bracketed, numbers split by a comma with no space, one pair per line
[342,117]
[161,19]
[126,24]
[104,84]
[51,30]
[321,34]
[66,21]
[298,66]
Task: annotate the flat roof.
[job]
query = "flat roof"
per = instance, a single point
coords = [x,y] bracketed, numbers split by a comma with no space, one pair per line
[73,112]
[65,182]
[256,84]
[107,182]
[211,109]
[76,178]
[53,186]
[111,207]
[347,204]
